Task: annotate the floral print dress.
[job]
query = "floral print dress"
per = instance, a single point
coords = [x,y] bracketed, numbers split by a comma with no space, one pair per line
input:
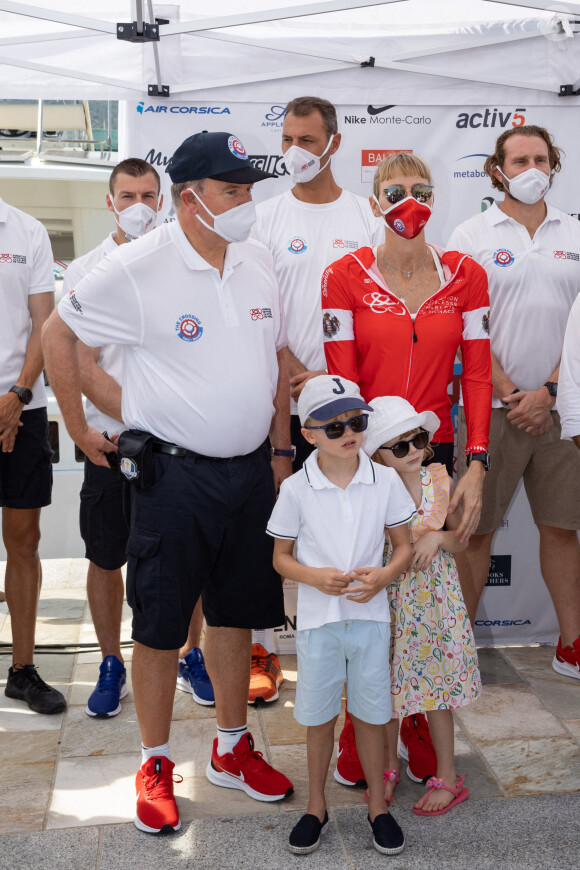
[433,656]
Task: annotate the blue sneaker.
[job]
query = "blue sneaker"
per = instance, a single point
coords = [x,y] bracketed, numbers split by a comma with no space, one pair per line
[193,677]
[111,687]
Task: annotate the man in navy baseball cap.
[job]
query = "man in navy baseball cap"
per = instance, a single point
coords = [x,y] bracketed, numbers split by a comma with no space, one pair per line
[221,156]
[206,378]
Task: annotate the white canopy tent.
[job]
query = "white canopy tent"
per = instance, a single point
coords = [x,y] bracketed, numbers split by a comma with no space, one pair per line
[440,77]
[414,52]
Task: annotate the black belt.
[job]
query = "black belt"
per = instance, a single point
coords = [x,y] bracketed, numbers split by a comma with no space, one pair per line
[175,450]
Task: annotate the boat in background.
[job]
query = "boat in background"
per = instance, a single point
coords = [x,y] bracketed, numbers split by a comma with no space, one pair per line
[55,166]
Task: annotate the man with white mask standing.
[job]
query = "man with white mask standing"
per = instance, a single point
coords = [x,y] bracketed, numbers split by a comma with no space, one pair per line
[135,200]
[531,253]
[204,383]
[306,228]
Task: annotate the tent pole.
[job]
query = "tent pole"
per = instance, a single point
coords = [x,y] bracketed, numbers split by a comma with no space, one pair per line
[137,16]
[39,127]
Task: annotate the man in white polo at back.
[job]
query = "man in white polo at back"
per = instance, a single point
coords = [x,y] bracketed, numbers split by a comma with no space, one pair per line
[306,228]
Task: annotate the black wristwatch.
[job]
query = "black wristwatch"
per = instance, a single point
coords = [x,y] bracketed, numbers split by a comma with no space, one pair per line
[552,388]
[479,457]
[23,393]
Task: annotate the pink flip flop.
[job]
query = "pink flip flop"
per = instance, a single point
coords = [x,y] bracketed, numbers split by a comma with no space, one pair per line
[459,793]
[388,776]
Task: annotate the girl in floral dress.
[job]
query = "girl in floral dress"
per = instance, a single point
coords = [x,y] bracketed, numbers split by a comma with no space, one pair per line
[434,665]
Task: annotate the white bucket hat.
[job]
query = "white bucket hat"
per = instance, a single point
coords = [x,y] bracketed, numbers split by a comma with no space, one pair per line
[393,416]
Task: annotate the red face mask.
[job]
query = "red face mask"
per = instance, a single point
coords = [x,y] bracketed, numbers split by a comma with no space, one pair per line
[407,217]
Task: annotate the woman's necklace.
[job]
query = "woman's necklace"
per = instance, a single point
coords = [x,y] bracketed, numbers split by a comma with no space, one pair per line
[414,287]
[407,272]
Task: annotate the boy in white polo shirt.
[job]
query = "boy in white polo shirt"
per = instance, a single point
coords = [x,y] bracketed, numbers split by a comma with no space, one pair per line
[329,524]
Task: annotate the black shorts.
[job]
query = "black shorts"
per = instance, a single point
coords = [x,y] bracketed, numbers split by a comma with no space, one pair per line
[200,529]
[444,454]
[103,522]
[26,473]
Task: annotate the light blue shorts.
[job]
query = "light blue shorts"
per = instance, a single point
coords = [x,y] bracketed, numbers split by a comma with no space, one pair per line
[357,651]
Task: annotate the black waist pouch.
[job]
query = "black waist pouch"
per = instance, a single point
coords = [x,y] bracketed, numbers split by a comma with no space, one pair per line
[136,457]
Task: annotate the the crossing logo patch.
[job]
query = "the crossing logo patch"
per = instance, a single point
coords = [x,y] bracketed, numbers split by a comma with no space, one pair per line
[189,327]
[503,257]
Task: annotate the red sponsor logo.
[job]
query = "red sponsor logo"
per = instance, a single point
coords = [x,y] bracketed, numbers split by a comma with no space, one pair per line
[376,156]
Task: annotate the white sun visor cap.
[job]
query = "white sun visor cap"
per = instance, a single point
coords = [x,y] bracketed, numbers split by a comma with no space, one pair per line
[393,416]
[326,396]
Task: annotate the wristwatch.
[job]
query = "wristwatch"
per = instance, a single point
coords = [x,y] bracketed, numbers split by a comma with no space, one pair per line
[276,451]
[23,393]
[482,456]
[552,388]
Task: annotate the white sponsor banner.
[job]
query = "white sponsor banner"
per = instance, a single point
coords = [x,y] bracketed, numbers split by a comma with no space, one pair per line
[454,141]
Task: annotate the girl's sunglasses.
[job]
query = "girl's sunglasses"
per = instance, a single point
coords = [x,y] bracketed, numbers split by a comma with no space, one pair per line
[420,192]
[336,429]
[401,448]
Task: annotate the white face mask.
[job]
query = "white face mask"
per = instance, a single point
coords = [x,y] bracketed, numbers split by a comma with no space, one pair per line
[529,186]
[233,225]
[136,220]
[303,165]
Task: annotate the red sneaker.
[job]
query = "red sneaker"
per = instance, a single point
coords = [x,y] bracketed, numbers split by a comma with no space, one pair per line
[245,768]
[416,747]
[156,807]
[567,659]
[348,767]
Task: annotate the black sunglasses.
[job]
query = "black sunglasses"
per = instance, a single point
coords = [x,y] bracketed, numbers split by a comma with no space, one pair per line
[336,429]
[401,448]
[420,192]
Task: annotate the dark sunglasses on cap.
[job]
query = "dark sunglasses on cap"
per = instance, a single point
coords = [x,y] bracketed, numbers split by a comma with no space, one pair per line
[420,192]
[336,428]
[401,448]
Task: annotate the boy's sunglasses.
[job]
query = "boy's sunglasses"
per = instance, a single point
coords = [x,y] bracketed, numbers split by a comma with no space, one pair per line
[420,192]
[336,429]
[401,448]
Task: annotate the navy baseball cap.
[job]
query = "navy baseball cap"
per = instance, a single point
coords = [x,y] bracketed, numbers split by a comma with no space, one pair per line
[213,155]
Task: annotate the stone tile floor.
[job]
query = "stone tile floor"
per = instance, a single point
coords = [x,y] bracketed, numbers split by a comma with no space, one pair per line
[521,738]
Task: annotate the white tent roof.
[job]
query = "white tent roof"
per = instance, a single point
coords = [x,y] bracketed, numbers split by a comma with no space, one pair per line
[425,52]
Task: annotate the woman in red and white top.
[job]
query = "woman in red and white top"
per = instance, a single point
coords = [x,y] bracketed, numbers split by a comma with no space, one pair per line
[395,316]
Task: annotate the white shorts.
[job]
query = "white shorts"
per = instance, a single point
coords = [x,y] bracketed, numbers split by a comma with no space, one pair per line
[357,651]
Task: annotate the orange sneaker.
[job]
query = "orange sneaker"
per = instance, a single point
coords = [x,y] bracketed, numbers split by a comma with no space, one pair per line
[156,807]
[265,677]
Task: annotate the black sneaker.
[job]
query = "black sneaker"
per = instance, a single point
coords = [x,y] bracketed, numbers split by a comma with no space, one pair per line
[25,684]
[305,836]
[387,835]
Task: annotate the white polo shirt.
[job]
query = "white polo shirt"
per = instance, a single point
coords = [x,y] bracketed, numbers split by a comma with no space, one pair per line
[532,286]
[26,268]
[200,366]
[111,355]
[569,378]
[339,528]
[304,239]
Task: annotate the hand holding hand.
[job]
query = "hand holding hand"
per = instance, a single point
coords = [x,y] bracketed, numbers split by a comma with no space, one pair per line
[372,580]
[331,581]
[530,410]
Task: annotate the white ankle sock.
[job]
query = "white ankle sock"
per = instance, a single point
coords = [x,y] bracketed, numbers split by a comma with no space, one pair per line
[229,737]
[148,752]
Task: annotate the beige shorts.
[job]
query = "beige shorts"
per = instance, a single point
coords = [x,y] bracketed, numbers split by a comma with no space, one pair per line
[549,466]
